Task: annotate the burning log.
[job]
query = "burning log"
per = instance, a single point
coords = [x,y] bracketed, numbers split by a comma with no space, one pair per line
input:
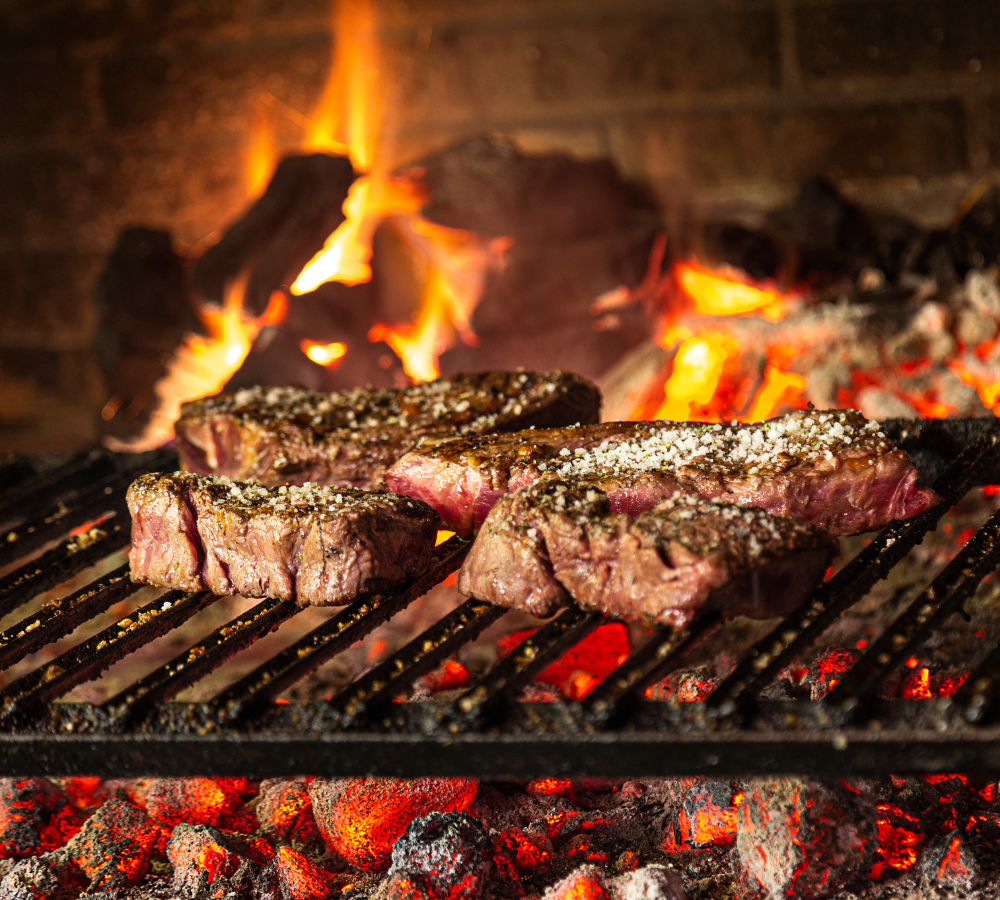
[362,818]
[280,233]
[446,854]
[805,838]
[115,846]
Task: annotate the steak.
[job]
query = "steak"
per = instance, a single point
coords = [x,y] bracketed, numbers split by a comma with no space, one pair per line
[293,436]
[317,545]
[555,542]
[835,469]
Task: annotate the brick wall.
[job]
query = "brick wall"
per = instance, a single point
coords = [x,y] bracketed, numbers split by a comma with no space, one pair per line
[117,112]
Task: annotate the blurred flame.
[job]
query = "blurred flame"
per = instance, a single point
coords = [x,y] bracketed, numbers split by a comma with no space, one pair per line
[728,292]
[262,156]
[698,368]
[323,354]
[202,365]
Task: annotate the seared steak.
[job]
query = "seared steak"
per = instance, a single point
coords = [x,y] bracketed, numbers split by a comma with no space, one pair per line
[832,469]
[556,541]
[293,436]
[318,545]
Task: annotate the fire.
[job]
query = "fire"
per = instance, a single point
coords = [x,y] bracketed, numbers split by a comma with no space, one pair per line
[698,369]
[202,365]
[324,354]
[261,158]
[728,292]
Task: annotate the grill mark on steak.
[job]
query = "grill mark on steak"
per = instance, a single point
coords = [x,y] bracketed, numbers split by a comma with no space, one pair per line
[206,532]
[833,469]
[293,436]
[554,542]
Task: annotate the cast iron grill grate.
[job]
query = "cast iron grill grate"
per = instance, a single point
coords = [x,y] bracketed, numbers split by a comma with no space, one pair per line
[487,730]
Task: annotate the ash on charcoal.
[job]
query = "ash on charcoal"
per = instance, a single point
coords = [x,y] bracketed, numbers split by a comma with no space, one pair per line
[586,883]
[35,816]
[447,852]
[649,883]
[950,860]
[204,856]
[805,838]
[52,876]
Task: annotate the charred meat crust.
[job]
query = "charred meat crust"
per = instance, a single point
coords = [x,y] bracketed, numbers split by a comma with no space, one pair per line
[558,541]
[293,436]
[317,545]
[833,469]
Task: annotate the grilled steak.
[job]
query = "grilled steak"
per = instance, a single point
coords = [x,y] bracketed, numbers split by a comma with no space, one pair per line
[559,541]
[319,545]
[832,469]
[294,436]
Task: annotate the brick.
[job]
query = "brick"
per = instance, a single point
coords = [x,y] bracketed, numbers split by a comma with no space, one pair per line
[714,149]
[481,72]
[194,91]
[41,96]
[48,297]
[886,38]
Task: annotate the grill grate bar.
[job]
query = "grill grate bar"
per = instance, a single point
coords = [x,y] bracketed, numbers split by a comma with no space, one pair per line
[976,699]
[417,658]
[517,667]
[86,661]
[58,520]
[613,699]
[198,661]
[952,587]
[351,624]
[41,490]
[797,632]
[59,617]
[62,562]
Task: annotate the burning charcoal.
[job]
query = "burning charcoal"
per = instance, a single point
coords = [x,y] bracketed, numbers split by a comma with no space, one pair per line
[284,809]
[517,851]
[710,811]
[828,668]
[649,883]
[900,837]
[361,818]
[586,883]
[194,801]
[280,233]
[805,838]
[300,879]
[202,855]
[115,846]
[949,861]
[52,876]
[35,816]
[445,852]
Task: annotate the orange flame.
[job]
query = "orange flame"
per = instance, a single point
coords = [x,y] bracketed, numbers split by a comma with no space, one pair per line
[202,365]
[698,369]
[324,354]
[262,156]
[728,292]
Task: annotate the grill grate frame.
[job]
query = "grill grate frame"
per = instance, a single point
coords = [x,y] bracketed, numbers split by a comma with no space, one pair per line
[486,730]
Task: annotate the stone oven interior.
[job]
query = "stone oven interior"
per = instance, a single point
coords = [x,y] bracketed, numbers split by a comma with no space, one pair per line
[550,184]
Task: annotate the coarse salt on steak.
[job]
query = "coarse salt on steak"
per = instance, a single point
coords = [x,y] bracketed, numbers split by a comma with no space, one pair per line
[833,469]
[555,542]
[317,545]
[292,436]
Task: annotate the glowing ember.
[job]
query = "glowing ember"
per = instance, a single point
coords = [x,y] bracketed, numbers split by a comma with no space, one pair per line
[728,292]
[324,354]
[899,840]
[202,365]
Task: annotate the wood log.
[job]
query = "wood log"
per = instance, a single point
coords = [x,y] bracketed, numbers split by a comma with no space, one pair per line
[280,233]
